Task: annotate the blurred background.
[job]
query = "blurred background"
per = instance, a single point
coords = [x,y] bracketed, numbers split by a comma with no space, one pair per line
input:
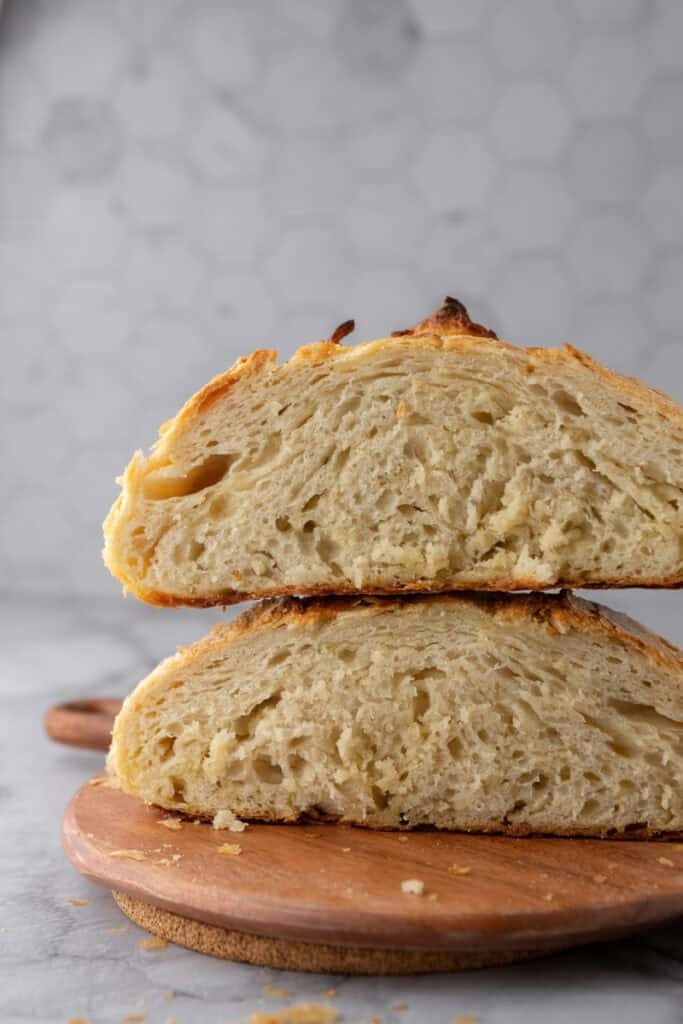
[181,182]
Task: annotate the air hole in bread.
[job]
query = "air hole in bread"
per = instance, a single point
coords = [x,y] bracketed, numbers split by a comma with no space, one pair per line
[380,798]
[421,703]
[211,471]
[166,745]
[267,770]
[567,403]
[283,524]
[245,725]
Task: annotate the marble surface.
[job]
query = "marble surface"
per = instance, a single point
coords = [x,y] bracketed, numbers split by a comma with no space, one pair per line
[59,961]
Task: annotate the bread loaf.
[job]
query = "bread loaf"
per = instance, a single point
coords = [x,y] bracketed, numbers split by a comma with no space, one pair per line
[520,714]
[439,459]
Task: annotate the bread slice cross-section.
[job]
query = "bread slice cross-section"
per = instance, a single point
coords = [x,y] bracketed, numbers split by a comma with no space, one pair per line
[510,713]
[435,460]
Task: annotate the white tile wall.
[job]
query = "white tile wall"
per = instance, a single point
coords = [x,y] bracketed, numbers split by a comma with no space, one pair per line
[181,182]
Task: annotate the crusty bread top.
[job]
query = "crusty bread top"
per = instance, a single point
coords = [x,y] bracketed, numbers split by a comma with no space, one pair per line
[449,330]
[561,612]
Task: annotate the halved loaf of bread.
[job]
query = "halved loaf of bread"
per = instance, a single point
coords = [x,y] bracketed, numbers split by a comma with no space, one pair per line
[528,713]
[436,460]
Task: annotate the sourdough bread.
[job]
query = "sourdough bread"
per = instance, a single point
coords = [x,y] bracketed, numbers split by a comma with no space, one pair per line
[519,713]
[434,460]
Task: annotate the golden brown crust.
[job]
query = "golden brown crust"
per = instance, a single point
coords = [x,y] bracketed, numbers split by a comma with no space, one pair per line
[449,329]
[560,613]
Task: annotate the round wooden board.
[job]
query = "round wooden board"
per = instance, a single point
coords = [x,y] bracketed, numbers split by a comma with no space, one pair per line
[295,893]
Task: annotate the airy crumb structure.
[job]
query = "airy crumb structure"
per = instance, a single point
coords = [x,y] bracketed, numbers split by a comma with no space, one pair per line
[440,459]
[521,714]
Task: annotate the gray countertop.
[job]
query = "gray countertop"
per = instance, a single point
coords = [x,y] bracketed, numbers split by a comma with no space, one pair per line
[61,961]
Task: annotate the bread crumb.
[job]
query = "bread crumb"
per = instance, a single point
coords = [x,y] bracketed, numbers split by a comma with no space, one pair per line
[466,1018]
[548,897]
[455,870]
[312,835]
[599,879]
[231,849]
[128,854]
[169,995]
[346,849]
[612,867]
[401,410]
[153,943]
[226,819]
[130,1017]
[171,1020]
[80,903]
[278,993]
[175,857]
[330,993]
[303,1013]
[432,897]
[666,862]
[399,1007]
[78,1020]
[414,886]
[121,930]
[174,824]
[402,839]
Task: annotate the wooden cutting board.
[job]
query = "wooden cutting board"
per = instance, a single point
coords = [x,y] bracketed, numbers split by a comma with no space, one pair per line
[329,897]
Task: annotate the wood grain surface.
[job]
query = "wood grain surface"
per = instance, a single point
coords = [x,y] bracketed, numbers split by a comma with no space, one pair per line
[338,885]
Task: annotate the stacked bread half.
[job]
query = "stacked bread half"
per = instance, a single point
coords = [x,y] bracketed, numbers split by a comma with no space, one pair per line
[393,486]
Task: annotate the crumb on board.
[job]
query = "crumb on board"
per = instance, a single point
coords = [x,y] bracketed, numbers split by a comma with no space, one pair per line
[175,857]
[666,862]
[121,930]
[403,839]
[600,879]
[432,897]
[413,886]
[230,849]
[303,1013]
[80,903]
[456,870]
[466,1018]
[153,944]
[330,993]
[78,1020]
[174,824]
[346,849]
[128,854]
[131,1017]
[312,835]
[226,819]
[169,995]
[548,897]
[276,992]
[399,1007]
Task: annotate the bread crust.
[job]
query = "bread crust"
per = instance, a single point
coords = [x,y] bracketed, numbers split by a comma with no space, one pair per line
[450,330]
[557,612]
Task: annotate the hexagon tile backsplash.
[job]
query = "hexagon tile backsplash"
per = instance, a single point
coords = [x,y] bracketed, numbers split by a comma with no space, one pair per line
[181,182]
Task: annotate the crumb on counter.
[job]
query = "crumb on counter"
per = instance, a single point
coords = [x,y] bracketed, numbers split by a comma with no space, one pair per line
[174,824]
[303,1013]
[229,821]
[230,849]
[153,944]
[413,886]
